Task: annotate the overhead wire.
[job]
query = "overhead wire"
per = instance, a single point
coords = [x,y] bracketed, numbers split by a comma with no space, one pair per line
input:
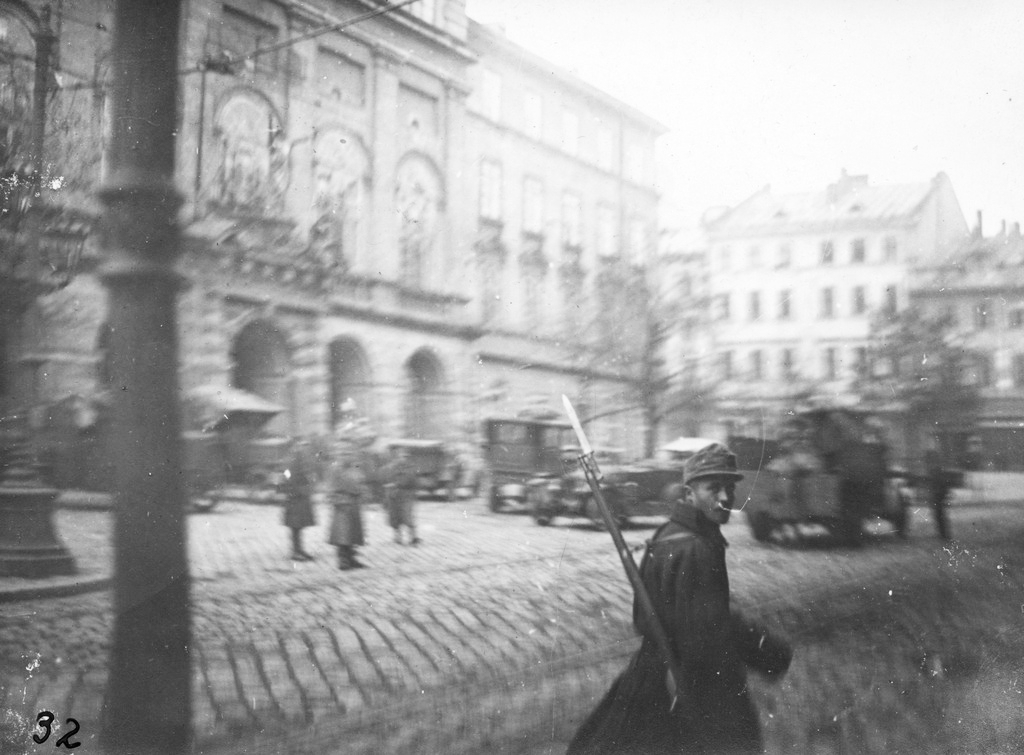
[226,61]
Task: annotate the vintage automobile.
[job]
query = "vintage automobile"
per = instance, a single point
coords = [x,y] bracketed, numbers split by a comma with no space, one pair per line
[224,445]
[432,463]
[515,450]
[642,488]
[830,469]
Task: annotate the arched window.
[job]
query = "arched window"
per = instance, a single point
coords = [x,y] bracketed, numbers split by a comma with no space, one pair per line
[419,203]
[340,173]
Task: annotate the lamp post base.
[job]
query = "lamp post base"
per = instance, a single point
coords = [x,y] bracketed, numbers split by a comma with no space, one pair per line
[29,546]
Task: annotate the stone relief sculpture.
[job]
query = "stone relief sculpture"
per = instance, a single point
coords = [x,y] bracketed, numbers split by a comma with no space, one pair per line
[339,172]
[252,169]
[418,206]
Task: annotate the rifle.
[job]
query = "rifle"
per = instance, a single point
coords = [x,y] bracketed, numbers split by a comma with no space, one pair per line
[593,476]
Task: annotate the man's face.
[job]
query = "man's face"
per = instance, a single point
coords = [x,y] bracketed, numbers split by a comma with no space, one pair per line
[713,497]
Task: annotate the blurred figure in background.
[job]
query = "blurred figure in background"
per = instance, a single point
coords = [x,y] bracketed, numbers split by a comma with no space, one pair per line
[345,491]
[299,482]
[939,485]
[400,495]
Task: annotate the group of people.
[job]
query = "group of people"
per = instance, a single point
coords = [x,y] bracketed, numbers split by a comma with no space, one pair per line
[347,489]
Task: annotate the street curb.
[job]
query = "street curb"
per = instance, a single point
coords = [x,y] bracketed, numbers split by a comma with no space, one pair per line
[61,590]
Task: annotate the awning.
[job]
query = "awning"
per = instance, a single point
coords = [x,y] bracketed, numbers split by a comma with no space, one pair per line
[211,407]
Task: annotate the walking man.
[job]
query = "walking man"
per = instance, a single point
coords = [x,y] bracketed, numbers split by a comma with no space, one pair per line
[346,489]
[298,503]
[400,494]
[685,575]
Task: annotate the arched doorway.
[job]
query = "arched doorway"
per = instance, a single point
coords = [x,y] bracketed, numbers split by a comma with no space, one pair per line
[350,379]
[261,365]
[426,403]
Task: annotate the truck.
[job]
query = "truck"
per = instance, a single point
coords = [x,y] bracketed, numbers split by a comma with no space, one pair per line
[829,467]
[517,449]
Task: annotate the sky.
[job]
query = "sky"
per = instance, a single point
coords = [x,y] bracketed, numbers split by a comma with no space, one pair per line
[789,93]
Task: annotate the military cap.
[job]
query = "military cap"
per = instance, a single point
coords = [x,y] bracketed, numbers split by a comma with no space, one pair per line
[714,460]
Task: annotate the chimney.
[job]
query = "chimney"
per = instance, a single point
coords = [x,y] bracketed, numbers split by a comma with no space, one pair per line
[977,229]
[1015,233]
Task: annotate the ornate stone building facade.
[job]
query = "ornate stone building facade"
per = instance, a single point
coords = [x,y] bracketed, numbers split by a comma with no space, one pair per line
[333,243]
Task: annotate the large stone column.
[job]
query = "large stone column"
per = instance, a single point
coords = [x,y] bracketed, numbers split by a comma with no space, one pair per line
[147,706]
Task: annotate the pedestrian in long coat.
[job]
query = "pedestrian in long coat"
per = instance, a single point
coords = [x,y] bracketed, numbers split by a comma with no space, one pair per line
[298,488]
[685,575]
[400,496]
[345,490]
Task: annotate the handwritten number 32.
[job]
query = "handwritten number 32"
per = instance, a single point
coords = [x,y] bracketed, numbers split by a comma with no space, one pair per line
[44,720]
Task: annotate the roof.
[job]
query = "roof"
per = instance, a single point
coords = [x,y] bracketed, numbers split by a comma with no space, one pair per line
[850,201]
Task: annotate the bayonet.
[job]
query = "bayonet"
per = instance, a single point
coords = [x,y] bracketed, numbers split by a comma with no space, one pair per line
[593,476]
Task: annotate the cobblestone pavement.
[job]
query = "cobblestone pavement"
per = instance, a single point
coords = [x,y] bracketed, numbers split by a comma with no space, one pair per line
[494,635]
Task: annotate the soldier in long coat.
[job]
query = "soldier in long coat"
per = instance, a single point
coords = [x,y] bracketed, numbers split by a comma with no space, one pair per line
[345,490]
[685,575]
[400,496]
[298,489]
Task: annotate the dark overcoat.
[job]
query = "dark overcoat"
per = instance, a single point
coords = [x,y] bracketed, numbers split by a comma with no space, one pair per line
[400,493]
[345,491]
[298,493]
[685,575]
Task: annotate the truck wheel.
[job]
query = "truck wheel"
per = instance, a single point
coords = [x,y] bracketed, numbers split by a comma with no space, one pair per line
[542,519]
[761,525]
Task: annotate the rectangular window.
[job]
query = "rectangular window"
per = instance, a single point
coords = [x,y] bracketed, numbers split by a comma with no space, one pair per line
[981,319]
[830,363]
[605,148]
[340,79]
[786,364]
[572,220]
[490,94]
[860,360]
[889,248]
[857,253]
[755,305]
[1016,319]
[785,304]
[860,303]
[785,258]
[490,190]
[533,115]
[828,253]
[606,237]
[570,132]
[723,307]
[533,205]
[891,301]
[756,365]
[1018,370]
[241,34]
[828,307]
[725,365]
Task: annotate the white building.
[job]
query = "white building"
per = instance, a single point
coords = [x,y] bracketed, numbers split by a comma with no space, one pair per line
[794,280]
